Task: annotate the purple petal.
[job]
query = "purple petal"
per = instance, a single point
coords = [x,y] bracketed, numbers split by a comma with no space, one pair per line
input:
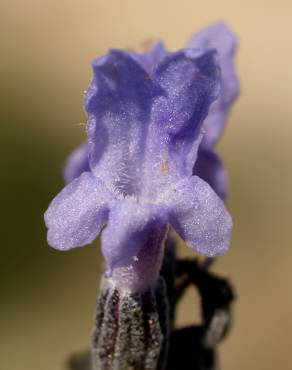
[132,243]
[191,81]
[200,217]
[210,168]
[219,37]
[119,103]
[77,163]
[76,215]
[149,59]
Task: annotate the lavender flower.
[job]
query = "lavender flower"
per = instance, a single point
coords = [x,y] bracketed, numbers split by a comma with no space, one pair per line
[208,165]
[144,131]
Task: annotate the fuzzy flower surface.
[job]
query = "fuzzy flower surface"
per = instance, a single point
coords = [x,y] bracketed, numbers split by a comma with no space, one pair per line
[208,165]
[145,118]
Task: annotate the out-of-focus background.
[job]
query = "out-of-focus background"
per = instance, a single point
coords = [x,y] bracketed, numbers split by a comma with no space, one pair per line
[47,297]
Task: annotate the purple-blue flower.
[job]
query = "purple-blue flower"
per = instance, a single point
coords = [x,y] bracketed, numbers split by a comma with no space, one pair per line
[144,130]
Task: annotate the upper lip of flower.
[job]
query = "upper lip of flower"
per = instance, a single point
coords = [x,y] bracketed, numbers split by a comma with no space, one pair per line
[149,124]
[209,166]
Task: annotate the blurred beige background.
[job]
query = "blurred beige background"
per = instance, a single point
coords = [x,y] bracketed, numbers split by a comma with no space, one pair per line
[47,298]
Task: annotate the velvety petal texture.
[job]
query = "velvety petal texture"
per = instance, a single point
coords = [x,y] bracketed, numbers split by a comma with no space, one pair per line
[199,216]
[219,37]
[190,79]
[119,107]
[132,243]
[134,178]
[76,216]
[147,127]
